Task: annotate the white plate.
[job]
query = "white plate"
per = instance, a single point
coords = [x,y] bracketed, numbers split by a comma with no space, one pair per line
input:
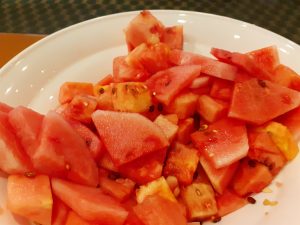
[84,52]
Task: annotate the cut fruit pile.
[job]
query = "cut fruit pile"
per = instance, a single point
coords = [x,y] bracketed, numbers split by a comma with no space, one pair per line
[171,137]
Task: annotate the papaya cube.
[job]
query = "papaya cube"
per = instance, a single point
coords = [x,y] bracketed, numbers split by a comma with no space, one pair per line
[199,198]
[211,109]
[30,198]
[221,177]
[173,118]
[70,89]
[229,202]
[251,177]
[81,108]
[185,128]
[222,89]
[283,138]
[168,128]
[131,97]
[103,95]
[157,187]
[184,105]
[182,163]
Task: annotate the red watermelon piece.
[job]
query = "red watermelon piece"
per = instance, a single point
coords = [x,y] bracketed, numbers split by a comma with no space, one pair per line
[210,66]
[258,101]
[90,203]
[13,159]
[223,143]
[26,124]
[62,152]
[5,108]
[166,84]
[128,136]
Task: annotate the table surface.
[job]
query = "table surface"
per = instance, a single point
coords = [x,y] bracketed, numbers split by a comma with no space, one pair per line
[47,16]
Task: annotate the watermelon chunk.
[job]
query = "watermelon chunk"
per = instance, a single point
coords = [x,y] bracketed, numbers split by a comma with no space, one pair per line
[30,198]
[223,142]
[5,108]
[209,66]
[258,101]
[13,159]
[166,84]
[128,136]
[89,203]
[27,125]
[62,152]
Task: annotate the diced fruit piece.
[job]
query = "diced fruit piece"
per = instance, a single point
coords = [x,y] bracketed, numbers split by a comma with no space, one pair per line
[146,168]
[211,109]
[200,82]
[152,58]
[285,76]
[81,108]
[185,128]
[155,210]
[13,159]
[243,61]
[131,97]
[89,203]
[105,80]
[223,142]
[168,128]
[70,89]
[91,139]
[128,136]
[251,177]
[229,202]
[292,121]
[157,187]
[123,72]
[258,101]
[209,66]
[59,212]
[199,198]
[103,95]
[182,163]
[30,198]
[74,219]
[132,219]
[26,124]
[62,152]
[173,118]
[283,139]
[106,162]
[144,28]
[120,188]
[266,58]
[173,37]
[184,105]
[219,178]
[221,89]
[5,108]
[166,84]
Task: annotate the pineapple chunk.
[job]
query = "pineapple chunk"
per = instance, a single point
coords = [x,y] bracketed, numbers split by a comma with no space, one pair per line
[182,163]
[283,138]
[104,96]
[157,187]
[199,198]
[168,128]
[131,97]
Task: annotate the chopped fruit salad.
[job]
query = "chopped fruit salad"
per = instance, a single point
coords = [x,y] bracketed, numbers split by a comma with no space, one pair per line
[169,138]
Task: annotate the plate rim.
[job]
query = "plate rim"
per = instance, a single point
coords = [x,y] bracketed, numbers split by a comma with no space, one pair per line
[27,51]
